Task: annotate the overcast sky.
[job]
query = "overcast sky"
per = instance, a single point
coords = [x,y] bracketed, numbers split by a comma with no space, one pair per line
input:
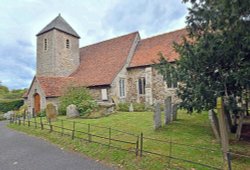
[93,20]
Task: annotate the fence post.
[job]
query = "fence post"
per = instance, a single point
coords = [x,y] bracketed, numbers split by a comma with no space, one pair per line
[223,128]
[50,126]
[141,145]
[229,161]
[41,123]
[89,135]
[24,118]
[35,121]
[28,121]
[137,146]
[170,152]
[19,120]
[109,137]
[73,130]
[62,128]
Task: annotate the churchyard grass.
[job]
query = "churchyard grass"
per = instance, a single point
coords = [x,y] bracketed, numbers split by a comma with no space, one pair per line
[192,130]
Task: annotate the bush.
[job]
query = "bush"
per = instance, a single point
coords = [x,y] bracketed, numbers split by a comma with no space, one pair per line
[80,97]
[138,107]
[21,110]
[41,113]
[7,105]
[123,107]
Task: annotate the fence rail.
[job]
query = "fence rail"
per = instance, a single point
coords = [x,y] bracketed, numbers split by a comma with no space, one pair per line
[136,145]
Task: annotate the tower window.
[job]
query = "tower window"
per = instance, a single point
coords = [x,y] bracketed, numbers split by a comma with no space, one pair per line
[45,44]
[67,43]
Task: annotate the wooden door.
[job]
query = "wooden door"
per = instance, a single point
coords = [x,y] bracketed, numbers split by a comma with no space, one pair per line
[37,103]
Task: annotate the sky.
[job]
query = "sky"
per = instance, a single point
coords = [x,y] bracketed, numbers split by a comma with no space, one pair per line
[93,20]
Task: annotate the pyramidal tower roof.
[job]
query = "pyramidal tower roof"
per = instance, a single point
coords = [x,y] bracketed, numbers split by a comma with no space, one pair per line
[60,24]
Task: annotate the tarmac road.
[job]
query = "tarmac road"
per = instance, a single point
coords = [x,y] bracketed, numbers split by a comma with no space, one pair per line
[19,151]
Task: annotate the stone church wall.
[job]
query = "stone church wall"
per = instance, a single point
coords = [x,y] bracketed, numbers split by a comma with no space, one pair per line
[155,89]
[35,88]
[57,60]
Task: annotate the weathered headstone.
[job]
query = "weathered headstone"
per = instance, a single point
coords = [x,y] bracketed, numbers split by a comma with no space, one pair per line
[72,111]
[174,112]
[157,116]
[214,123]
[51,112]
[131,107]
[9,115]
[167,110]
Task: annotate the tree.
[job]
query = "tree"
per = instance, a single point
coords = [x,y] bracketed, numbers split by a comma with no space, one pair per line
[214,57]
[78,96]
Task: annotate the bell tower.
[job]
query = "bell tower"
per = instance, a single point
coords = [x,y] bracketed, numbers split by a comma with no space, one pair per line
[57,49]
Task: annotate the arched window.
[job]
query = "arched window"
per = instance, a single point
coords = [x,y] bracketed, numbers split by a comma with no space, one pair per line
[45,44]
[67,43]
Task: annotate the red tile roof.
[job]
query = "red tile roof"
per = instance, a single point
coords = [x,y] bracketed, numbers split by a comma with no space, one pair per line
[148,49]
[55,86]
[101,62]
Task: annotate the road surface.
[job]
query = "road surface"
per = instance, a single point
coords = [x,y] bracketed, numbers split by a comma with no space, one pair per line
[19,151]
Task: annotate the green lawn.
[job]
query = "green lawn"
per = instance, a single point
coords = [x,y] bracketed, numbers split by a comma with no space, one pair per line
[191,130]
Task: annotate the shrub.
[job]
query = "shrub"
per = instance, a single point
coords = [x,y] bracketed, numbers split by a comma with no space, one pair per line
[138,107]
[42,113]
[123,107]
[7,105]
[21,110]
[78,96]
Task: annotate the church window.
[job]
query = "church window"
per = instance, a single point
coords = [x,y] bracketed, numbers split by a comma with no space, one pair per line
[122,87]
[171,82]
[45,44]
[104,93]
[141,85]
[67,43]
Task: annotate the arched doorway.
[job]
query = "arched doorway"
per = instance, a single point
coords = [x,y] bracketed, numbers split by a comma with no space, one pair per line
[37,107]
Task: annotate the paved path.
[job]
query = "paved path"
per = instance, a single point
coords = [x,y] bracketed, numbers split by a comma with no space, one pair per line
[22,152]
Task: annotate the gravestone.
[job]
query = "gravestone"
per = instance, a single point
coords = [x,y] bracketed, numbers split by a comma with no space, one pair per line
[157,116]
[174,112]
[72,111]
[51,112]
[131,107]
[167,110]
[214,123]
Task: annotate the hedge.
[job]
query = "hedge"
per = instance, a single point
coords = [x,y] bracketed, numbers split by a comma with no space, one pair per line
[7,105]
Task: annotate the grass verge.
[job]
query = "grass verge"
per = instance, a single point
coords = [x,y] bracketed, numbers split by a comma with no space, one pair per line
[189,129]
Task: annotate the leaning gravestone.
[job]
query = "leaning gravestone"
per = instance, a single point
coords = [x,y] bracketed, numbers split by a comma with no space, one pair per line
[167,110]
[51,112]
[174,112]
[72,111]
[157,116]
[116,102]
[131,107]
[214,123]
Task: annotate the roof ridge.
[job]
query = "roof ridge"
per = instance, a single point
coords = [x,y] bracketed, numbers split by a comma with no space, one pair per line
[60,24]
[154,36]
[109,39]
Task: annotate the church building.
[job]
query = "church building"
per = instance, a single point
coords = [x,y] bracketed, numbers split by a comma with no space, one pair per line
[120,67]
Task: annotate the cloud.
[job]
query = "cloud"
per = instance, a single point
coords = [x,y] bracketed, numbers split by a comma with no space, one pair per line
[93,20]
[147,16]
